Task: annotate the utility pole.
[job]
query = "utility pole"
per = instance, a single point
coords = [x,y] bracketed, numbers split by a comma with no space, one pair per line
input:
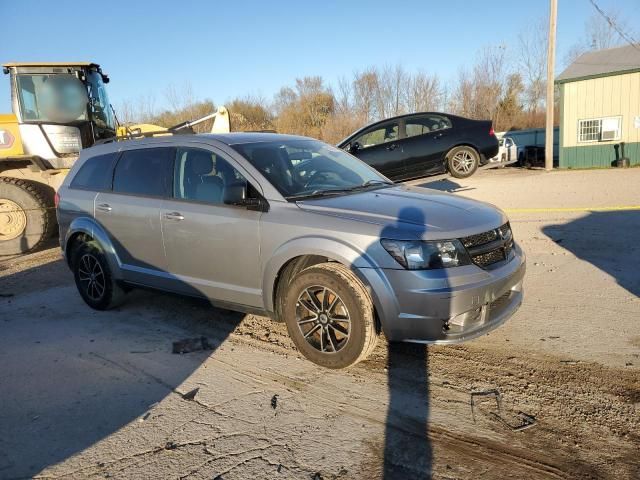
[551,61]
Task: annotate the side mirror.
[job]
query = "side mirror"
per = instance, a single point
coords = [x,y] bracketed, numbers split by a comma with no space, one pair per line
[354,147]
[236,194]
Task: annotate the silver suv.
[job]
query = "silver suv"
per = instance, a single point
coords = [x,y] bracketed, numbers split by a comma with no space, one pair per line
[292,228]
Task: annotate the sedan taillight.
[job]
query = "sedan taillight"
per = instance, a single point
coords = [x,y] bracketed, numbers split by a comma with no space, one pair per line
[56,199]
[491,132]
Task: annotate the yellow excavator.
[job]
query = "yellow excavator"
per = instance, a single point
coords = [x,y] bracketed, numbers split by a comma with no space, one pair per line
[58,109]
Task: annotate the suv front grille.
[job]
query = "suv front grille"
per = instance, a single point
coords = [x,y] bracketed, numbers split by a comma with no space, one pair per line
[480,238]
[490,247]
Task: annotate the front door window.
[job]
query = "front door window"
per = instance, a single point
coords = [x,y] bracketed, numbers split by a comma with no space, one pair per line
[378,136]
[202,176]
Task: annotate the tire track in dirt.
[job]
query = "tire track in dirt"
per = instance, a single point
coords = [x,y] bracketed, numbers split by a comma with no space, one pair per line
[588,426]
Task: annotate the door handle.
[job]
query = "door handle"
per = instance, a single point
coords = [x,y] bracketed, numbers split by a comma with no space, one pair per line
[439,135]
[104,207]
[393,146]
[174,216]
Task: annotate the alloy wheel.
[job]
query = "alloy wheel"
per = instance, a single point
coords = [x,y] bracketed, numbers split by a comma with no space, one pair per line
[91,277]
[323,319]
[463,162]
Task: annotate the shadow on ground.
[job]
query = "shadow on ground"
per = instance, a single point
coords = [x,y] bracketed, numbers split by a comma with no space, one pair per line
[407,447]
[607,240]
[72,376]
[444,185]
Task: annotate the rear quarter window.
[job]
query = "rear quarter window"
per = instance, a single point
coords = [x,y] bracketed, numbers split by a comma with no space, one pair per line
[95,173]
[146,172]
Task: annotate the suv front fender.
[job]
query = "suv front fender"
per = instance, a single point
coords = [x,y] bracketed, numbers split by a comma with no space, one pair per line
[90,227]
[332,249]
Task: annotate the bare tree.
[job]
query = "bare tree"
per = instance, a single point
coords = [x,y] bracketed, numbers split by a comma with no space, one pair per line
[461,101]
[365,86]
[532,62]
[344,96]
[250,113]
[125,112]
[509,111]
[422,92]
[285,97]
[304,109]
[479,91]
[599,34]
[140,110]
[388,91]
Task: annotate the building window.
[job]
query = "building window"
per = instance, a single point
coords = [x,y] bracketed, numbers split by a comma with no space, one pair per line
[599,129]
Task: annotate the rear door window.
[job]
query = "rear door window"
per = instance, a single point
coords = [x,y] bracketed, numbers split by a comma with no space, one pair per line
[426,124]
[95,173]
[145,172]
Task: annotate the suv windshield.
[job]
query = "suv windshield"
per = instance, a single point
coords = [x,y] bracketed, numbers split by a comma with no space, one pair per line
[305,168]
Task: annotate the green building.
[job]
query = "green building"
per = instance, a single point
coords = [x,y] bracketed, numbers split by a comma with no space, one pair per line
[600,108]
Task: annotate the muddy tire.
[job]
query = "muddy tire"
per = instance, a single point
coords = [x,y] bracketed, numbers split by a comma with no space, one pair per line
[94,281]
[330,316]
[27,215]
[463,162]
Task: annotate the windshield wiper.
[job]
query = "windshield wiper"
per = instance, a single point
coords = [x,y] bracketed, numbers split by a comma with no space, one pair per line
[371,183]
[336,191]
[319,193]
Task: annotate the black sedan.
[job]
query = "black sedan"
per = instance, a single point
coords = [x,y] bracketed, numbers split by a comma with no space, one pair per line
[421,144]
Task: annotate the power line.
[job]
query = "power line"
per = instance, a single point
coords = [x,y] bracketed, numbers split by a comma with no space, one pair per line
[628,38]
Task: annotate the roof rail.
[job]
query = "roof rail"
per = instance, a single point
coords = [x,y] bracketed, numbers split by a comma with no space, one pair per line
[132,134]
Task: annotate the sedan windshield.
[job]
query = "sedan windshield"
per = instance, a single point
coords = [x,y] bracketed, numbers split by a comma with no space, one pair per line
[308,168]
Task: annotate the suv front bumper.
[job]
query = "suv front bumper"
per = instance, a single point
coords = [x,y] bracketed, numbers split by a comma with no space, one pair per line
[449,305]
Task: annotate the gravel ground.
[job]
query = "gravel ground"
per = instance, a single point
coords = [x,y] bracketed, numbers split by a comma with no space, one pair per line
[87,394]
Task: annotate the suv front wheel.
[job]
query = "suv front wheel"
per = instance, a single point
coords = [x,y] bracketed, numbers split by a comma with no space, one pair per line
[93,278]
[329,316]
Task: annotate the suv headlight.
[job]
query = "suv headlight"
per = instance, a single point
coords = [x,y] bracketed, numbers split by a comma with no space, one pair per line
[427,255]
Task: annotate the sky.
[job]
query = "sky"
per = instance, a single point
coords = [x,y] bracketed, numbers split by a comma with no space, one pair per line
[233,49]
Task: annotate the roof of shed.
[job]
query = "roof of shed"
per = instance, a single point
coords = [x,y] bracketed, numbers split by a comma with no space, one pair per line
[601,63]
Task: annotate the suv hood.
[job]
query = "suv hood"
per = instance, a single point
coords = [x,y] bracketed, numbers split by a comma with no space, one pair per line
[406,212]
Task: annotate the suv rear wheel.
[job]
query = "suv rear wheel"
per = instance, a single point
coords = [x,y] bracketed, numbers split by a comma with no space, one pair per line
[329,316]
[93,278]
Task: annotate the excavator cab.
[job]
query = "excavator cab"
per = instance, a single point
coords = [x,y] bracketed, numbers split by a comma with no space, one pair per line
[59,109]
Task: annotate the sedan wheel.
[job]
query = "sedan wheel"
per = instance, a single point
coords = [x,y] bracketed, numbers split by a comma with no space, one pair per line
[463,162]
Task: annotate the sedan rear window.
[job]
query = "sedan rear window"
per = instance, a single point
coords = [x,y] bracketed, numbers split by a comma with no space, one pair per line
[95,174]
[146,172]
